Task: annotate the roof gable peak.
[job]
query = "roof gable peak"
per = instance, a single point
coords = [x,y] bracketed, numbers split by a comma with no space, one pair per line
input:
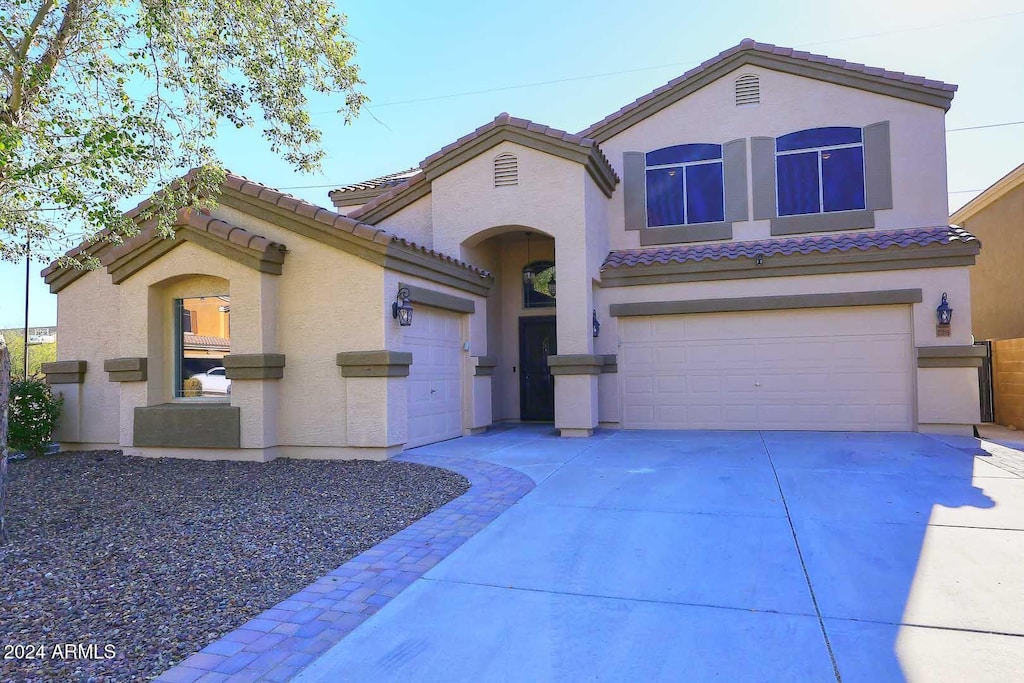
[784,59]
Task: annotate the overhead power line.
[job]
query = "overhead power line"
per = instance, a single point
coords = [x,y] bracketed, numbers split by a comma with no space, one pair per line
[469,93]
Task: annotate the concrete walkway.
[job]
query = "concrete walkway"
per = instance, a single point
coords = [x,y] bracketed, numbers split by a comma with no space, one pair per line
[732,556]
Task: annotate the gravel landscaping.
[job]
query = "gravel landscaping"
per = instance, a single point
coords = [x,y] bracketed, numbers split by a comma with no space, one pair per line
[158,557]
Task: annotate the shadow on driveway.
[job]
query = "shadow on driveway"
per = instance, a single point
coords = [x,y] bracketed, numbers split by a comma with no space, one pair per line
[733,556]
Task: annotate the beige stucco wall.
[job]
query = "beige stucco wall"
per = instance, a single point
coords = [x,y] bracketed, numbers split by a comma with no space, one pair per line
[917,131]
[88,328]
[414,222]
[997,306]
[329,301]
[944,395]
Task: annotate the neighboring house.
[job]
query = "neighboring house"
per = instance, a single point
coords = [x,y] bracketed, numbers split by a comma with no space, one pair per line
[760,244]
[996,217]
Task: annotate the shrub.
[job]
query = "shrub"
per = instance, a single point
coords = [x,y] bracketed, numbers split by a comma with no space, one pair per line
[192,387]
[34,412]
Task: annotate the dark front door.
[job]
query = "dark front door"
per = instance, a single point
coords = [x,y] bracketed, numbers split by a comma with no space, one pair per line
[536,385]
[988,412]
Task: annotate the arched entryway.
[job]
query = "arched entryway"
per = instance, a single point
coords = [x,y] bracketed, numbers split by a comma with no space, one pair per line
[521,324]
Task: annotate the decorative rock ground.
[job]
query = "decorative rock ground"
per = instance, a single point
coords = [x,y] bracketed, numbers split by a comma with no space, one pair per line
[158,557]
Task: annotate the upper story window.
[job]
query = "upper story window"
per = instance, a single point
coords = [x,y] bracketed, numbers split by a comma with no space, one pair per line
[685,185]
[820,170]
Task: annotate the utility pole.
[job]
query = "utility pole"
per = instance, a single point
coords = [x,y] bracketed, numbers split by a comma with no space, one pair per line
[28,261]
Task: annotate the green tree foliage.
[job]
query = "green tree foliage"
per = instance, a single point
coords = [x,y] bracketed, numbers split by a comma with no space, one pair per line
[103,100]
[37,355]
[34,413]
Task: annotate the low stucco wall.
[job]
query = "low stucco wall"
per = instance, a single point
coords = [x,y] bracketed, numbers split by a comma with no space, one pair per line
[1008,381]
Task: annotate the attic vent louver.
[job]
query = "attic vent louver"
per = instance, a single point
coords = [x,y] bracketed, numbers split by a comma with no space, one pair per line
[748,90]
[506,170]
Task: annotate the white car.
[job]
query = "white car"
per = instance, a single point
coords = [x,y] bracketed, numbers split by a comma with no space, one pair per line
[214,381]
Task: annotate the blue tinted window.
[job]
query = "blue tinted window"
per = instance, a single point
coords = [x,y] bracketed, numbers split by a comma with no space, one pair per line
[797,179]
[665,197]
[818,137]
[681,154]
[704,193]
[842,178]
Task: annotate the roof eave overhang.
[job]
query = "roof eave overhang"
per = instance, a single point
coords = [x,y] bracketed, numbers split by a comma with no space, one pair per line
[590,156]
[998,189]
[782,265]
[372,245]
[921,94]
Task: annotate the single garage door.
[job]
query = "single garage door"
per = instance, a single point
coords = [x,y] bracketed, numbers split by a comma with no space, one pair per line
[815,369]
[435,376]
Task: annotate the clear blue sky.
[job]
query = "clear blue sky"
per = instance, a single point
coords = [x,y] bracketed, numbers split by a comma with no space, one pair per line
[570,63]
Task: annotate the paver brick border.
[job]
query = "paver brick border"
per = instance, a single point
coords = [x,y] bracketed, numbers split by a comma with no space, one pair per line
[283,640]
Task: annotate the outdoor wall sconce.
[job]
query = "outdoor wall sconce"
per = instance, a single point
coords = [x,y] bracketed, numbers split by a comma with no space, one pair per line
[944,313]
[597,325]
[401,308]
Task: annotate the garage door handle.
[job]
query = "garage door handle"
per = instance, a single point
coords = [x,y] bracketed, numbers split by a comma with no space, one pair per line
[433,391]
[757,384]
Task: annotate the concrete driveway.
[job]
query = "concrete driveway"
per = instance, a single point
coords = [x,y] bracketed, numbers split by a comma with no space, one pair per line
[732,556]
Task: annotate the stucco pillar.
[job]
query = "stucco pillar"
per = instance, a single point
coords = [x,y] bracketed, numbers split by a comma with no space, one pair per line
[575,368]
[376,400]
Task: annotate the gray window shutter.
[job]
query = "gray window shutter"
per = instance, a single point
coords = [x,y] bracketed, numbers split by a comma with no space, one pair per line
[734,156]
[762,165]
[634,172]
[878,166]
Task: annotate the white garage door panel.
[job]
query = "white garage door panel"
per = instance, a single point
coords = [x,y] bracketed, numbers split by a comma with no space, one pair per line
[435,376]
[826,369]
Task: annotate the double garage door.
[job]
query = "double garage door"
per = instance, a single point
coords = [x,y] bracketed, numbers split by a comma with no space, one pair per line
[814,369]
[435,376]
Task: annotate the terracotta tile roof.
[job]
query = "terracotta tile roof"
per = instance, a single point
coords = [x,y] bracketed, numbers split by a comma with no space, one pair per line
[861,241]
[199,341]
[768,48]
[503,119]
[232,233]
[388,180]
[289,202]
[336,220]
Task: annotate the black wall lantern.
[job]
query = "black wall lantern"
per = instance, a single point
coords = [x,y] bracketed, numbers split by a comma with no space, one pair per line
[597,325]
[401,308]
[944,313]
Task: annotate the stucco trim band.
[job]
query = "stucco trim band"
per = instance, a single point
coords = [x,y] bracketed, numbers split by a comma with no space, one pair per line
[950,356]
[125,369]
[823,222]
[254,366]
[485,366]
[374,363]
[188,425]
[782,265]
[611,363]
[65,371]
[576,364]
[769,303]
[675,234]
[430,297]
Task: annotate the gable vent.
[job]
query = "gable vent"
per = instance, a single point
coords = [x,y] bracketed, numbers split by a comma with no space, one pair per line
[506,170]
[748,90]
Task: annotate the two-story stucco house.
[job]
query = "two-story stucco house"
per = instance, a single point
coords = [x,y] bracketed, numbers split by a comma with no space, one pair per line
[762,243]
